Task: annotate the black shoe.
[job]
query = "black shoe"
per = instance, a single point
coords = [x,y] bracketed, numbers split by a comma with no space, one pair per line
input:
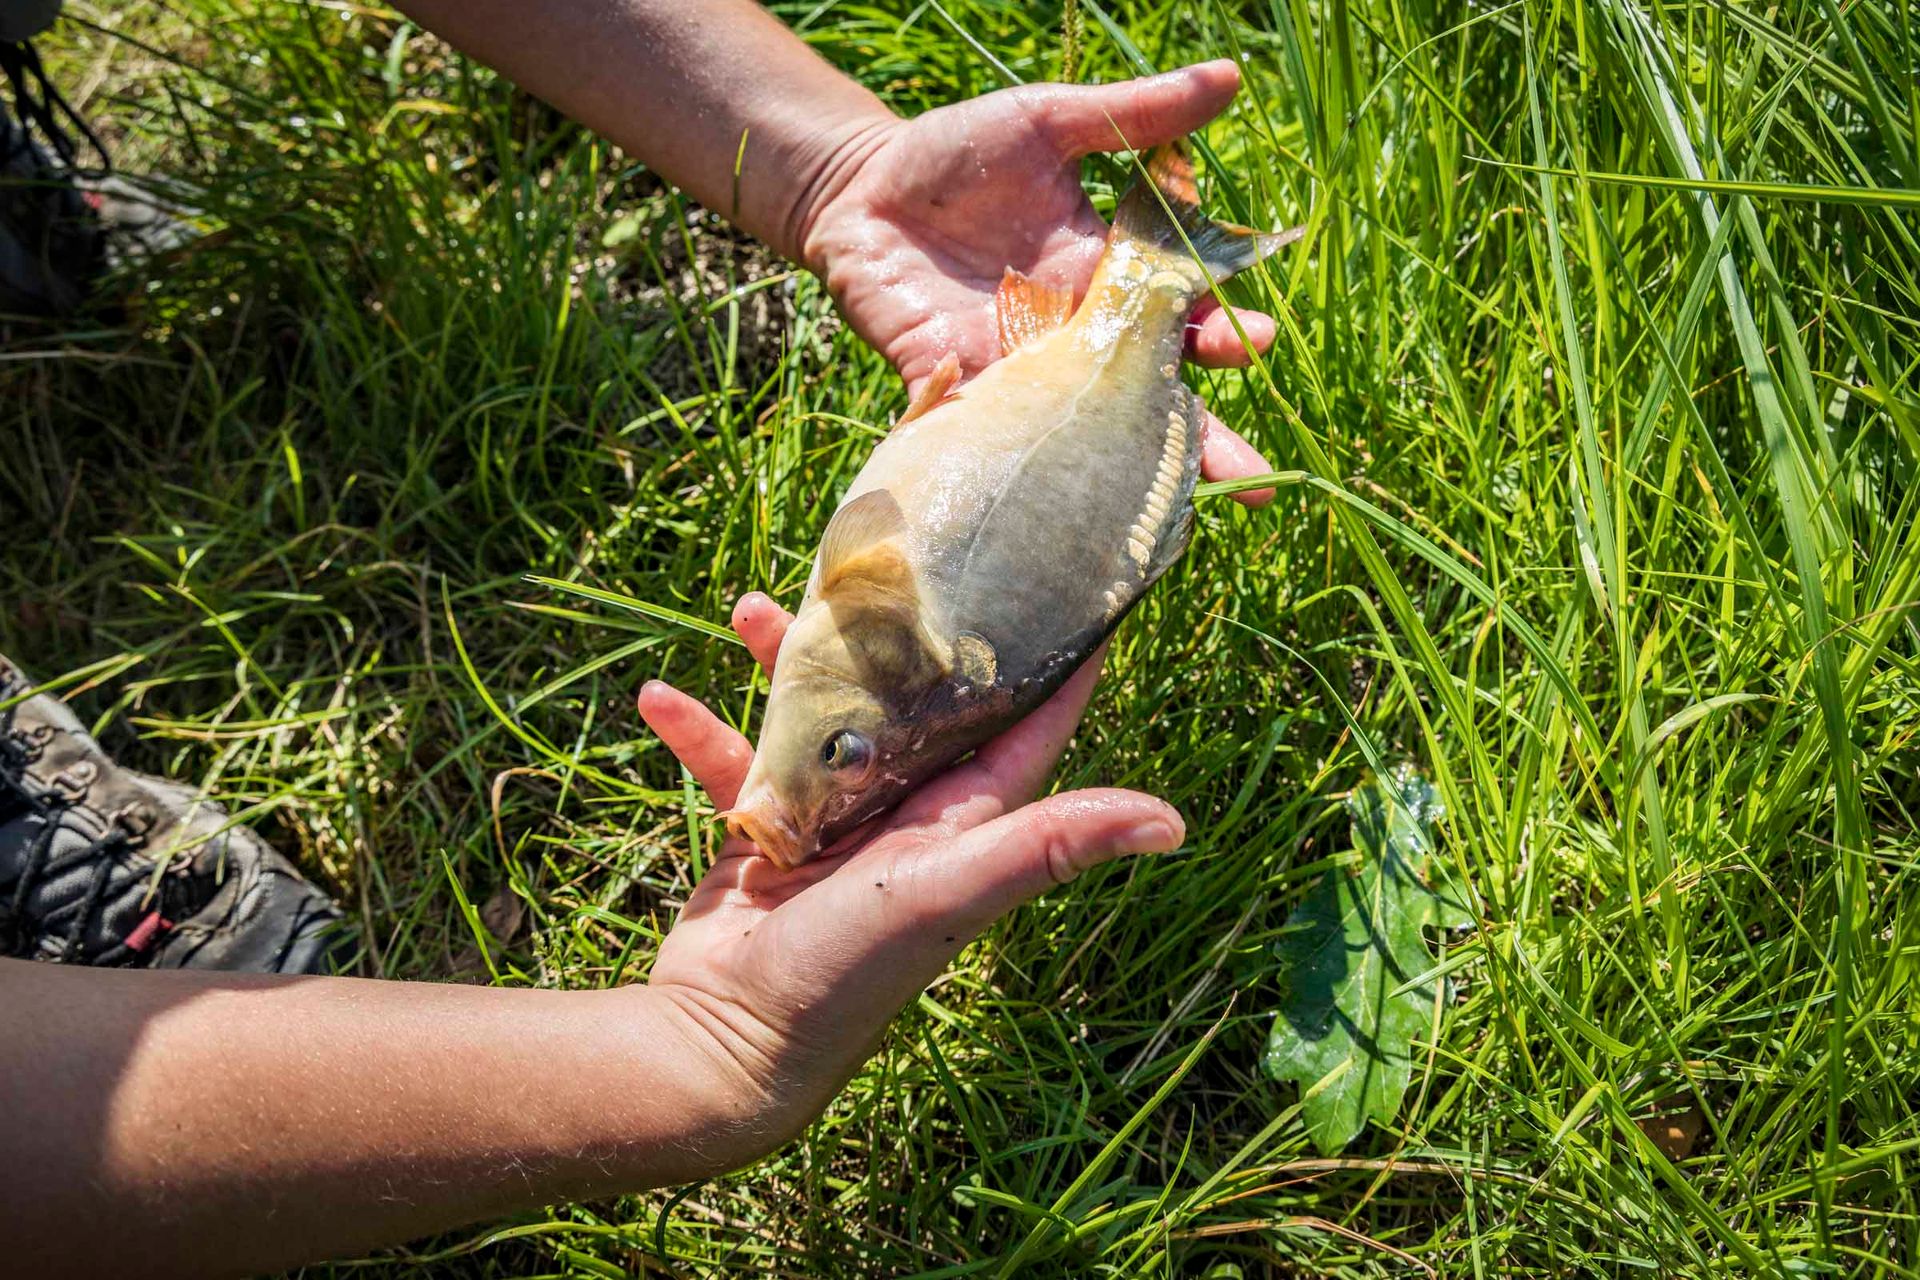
[100,865]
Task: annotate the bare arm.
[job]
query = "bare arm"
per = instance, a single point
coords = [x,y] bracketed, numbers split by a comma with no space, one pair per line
[180,1124]
[680,84]
[910,222]
[198,1124]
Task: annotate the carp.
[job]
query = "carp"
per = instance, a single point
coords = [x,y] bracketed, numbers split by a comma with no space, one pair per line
[1000,532]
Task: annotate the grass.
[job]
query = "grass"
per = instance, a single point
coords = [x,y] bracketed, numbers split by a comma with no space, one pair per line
[1598,375]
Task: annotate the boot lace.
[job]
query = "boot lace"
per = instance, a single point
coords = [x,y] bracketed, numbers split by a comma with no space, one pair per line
[42,109]
[18,938]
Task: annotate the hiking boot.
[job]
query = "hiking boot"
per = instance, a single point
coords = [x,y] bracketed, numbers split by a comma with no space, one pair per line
[100,865]
[65,225]
[22,20]
[52,241]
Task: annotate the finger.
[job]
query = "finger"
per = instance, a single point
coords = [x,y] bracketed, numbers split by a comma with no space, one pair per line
[874,933]
[1133,114]
[712,751]
[1226,455]
[762,624]
[1020,760]
[966,883]
[1008,771]
[1213,341]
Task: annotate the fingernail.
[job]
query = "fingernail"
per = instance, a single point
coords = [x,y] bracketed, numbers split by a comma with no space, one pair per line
[1155,835]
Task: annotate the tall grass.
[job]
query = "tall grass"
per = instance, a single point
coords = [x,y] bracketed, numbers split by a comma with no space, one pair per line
[1597,381]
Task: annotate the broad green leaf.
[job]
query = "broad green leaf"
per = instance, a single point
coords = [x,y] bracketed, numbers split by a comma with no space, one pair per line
[1352,951]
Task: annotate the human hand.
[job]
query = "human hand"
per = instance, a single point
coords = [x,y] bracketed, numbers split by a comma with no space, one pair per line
[919,224]
[784,981]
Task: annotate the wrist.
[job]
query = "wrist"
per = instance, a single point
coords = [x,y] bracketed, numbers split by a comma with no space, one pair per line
[719,1077]
[841,157]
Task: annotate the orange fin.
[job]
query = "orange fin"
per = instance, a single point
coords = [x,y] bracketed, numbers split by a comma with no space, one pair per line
[860,554]
[1170,168]
[1163,212]
[936,389]
[864,576]
[1029,310]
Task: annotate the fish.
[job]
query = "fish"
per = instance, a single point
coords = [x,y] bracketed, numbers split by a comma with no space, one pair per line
[1000,532]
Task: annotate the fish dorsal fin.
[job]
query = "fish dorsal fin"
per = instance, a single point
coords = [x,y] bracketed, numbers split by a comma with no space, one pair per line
[861,553]
[1163,213]
[1029,309]
[1170,168]
[935,390]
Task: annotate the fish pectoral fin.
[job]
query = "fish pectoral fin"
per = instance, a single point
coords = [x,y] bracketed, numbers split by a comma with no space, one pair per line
[1029,310]
[936,390]
[860,552]
[869,585]
[975,660]
[888,642]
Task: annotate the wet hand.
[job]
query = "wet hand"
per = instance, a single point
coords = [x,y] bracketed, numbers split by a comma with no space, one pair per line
[927,213]
[785,980]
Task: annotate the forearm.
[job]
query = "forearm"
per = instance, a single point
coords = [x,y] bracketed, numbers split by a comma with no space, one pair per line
[197,1124]
[680,84]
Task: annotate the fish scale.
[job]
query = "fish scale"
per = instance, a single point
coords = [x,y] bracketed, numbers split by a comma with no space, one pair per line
[999,533]
[1021,585]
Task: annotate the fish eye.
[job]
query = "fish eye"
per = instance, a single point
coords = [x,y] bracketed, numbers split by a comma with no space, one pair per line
[846,752]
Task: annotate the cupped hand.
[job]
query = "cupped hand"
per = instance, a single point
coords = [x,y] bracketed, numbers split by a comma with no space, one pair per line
[787,979]
[931,211]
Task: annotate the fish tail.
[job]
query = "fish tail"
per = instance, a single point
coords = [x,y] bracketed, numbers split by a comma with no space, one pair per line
[1163,212]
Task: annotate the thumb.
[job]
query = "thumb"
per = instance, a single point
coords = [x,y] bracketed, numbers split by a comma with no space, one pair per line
[1134,114]
[993,868]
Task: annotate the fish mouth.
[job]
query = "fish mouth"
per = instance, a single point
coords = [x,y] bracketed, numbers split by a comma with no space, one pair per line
[772,832]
